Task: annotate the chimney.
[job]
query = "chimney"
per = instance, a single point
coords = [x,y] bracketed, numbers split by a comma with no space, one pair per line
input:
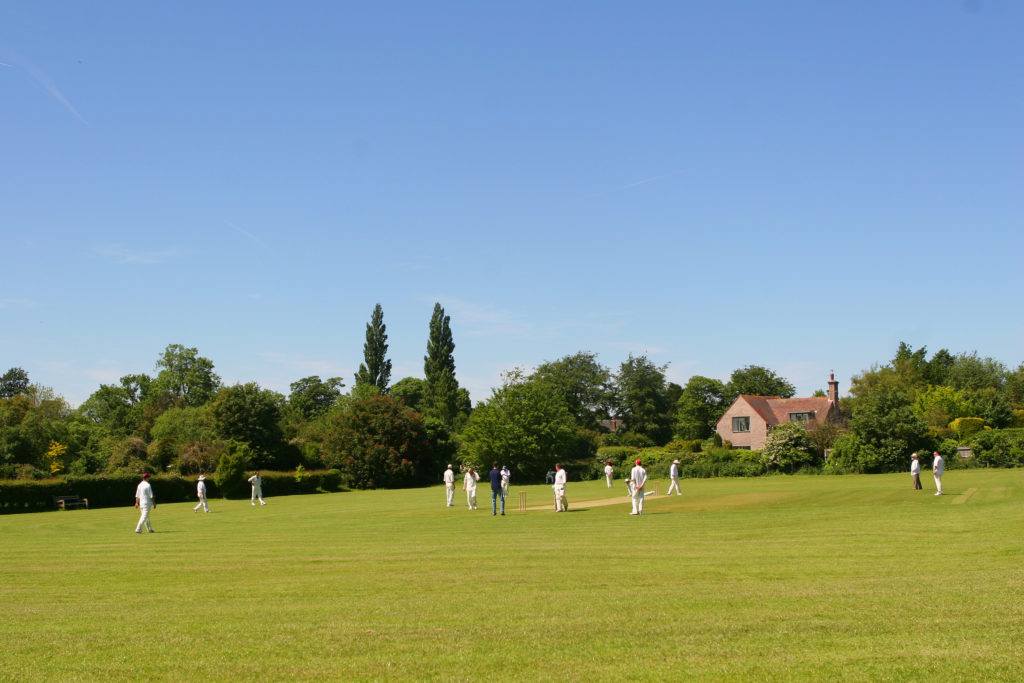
[833,389]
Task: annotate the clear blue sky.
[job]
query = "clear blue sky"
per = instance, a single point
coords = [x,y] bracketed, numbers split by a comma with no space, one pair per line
[713,183]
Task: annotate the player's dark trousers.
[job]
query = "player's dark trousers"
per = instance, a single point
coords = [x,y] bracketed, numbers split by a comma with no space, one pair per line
[917,481]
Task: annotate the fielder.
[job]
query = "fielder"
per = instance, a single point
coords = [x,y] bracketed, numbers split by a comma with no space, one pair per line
[561,504]
[469,486]
[608,472]
[257,488]
[673,474]
[638,477]
[145,502]
[201,492]
[449,485]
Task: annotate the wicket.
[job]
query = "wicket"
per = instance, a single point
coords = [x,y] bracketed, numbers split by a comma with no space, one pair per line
[522,501]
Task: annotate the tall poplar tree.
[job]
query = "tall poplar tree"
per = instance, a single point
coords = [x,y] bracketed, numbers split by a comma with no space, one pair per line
[376,368]
[442,389]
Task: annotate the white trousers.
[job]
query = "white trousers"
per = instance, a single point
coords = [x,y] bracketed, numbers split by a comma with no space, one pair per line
[638,501]
[938,482]
[608,477]
[257,493]
[449,490]
[202,504]
[471,498]
[560,502]
[144,518]
[674,485]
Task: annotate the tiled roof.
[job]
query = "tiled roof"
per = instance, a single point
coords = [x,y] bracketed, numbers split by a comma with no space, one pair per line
[775,410]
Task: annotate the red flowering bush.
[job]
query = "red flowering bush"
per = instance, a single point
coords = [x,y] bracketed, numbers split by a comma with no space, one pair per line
[378,443]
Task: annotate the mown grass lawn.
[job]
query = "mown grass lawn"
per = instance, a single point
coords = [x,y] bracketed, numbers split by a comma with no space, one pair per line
[805,578]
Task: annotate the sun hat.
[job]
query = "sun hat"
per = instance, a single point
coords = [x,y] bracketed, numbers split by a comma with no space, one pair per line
[638,461]
[202,477]
[675,462]
[145,475]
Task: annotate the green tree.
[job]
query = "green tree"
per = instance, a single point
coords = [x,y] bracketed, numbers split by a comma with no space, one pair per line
[887,431]
[13,382]
[583,383]
[184,374]
[441,388]
[118,410]
[379,443]
[993,407]
[248,414]
[376,369]
[411,391]
[312,397]
[969,371]
[699,407]
[1015,387]
[231,470]
[757,380]
[940,405]
[524,425]
[642,400]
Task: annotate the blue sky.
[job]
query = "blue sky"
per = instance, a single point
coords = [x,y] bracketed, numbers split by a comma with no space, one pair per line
[713,183]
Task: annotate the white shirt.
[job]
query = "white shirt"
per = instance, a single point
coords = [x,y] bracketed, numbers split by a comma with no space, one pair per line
[470,481]
[505,475]
[560,478]
[144,493]
[449,478]
[674,472]
[915,466]
[937,465]
[608,469]
[201,489]
[638,475]
[256,481]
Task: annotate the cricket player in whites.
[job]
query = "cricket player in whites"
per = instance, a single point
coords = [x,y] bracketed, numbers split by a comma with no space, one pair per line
[449,485]
[608,472]
[257,488]
[201,492]
[673,474]
[561,504]
[638,477]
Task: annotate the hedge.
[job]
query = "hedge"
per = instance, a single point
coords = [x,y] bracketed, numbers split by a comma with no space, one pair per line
[112,490]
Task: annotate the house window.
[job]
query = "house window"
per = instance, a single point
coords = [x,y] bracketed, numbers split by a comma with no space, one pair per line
[801,418]
[741,424]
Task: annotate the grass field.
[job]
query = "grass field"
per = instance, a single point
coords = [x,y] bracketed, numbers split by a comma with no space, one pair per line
[792,578]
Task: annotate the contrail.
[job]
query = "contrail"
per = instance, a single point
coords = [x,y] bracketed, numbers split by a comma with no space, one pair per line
[48,85]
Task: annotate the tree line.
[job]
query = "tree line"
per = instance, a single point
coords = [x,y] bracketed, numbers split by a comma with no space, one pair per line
[382,434]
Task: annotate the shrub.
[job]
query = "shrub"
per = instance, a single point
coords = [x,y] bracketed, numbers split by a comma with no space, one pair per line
[966,427]
[230,475]
[379,443]
[786,448]
[998,448]
[684,446]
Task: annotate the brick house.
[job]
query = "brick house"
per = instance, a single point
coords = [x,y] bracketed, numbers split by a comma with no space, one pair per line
[749,419]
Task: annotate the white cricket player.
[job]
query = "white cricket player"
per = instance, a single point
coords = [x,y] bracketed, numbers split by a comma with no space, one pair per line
[638,477]
[469,486]
[201,492]
[449,485]
[561,504]
[673,475]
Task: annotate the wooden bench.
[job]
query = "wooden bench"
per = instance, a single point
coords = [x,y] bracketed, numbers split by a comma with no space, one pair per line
[70,502]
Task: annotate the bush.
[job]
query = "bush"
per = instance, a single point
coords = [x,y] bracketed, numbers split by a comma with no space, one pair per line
[787,449]
[684,446]
[379,443]
[998,448]
[966,427]
[230,475]
[616,455]
[721,462]
[118,490]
